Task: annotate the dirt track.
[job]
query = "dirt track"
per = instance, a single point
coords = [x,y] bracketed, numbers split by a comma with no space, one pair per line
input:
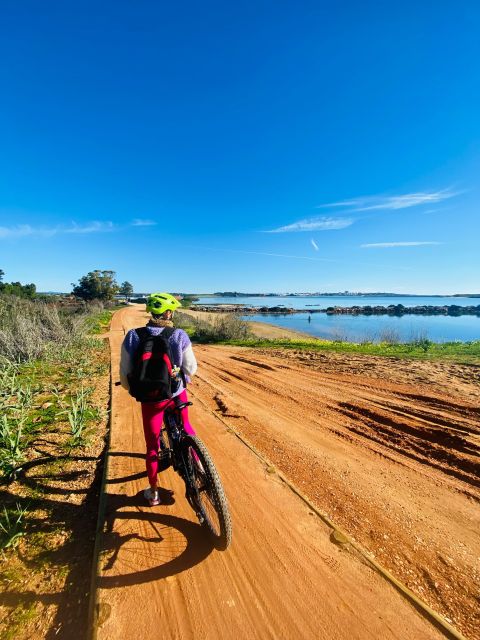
[392,462]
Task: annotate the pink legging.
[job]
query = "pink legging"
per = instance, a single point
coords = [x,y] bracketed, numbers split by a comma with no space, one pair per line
[152,414]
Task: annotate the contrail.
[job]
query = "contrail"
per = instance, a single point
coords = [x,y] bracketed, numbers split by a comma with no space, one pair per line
[263,253]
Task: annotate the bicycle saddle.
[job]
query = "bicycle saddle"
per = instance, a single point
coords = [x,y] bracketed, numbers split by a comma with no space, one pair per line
[182,405]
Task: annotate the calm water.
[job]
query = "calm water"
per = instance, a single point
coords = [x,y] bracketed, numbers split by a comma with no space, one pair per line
[377,328]
[357,328]
[341,301]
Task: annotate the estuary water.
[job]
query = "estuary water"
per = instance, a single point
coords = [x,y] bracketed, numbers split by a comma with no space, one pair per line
[359,328]
[378,328]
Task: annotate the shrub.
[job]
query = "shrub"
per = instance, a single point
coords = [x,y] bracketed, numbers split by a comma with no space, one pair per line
[184,321]
[79,414]
[12,444]
[389,335]
[29,328]
[12,526]
[216,328]
[339,335]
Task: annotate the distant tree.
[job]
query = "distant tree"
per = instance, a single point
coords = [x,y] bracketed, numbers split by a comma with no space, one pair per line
[96,285]
[18,289]
[126,289]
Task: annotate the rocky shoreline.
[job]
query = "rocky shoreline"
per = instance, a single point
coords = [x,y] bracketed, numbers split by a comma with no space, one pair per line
[368,310]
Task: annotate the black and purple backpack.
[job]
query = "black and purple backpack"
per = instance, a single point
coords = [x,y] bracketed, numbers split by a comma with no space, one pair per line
[151,379]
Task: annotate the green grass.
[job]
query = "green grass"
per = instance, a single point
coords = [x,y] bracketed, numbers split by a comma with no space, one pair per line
[50,412]
[100,322]
[11,526]
[467,352]
[49,396]
[20,616]
[80,414]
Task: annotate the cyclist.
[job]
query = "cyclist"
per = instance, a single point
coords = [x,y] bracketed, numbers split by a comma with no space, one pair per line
[161,306]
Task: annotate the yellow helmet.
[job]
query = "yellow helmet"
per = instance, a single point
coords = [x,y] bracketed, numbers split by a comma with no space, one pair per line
[158,303]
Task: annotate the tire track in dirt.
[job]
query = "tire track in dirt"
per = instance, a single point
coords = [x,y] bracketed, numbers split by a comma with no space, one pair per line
[403,480]
[421,434]
[437,448]
[422,426]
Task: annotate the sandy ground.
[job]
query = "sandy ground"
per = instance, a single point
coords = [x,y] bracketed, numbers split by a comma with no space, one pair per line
[282,577]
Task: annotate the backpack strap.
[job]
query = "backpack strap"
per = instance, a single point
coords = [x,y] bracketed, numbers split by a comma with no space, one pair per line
[167,332]
[142,333]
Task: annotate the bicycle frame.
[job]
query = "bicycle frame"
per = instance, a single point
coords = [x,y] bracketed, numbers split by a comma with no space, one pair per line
[190,459]
[172,421]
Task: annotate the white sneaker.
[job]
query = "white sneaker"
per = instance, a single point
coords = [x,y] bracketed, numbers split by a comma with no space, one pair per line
[152,496]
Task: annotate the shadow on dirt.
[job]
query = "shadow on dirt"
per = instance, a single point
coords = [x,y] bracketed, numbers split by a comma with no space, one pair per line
[59,538]
[72,524]
[176,544]
[132,476]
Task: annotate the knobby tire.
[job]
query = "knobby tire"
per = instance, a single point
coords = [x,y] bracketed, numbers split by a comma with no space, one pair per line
[211,493]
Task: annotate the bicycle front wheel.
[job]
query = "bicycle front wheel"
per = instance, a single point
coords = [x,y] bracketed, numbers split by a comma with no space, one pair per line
[208,493]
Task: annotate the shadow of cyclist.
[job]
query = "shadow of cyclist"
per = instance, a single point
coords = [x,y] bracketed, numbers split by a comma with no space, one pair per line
[122,530]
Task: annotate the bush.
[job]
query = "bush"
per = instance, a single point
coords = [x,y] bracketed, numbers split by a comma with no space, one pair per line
[184,321]
[339,335]
[217,328]
[29,328]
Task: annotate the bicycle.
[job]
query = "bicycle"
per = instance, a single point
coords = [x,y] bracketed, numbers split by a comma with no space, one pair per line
[189,457]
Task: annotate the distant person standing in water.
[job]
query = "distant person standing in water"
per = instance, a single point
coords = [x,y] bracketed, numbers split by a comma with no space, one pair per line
[161,306]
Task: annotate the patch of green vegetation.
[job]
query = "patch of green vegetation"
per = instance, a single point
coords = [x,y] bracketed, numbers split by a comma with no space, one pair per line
[41,544]
[11,576]
[79,414]
[19,617]
[189,329]
[12,444]
[187,301]
[12,525]
[49,395]
[47,406]
[462,352]
[100,322]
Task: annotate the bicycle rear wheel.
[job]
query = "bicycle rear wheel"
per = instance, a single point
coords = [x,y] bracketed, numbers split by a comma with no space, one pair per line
[208,493]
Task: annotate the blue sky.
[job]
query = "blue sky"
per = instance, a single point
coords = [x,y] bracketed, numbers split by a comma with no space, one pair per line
[255,146]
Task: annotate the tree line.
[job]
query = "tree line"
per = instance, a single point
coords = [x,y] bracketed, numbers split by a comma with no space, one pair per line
[16,288]
[95,285]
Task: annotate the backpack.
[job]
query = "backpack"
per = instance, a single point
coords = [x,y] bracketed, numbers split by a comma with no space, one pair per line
[151,379]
